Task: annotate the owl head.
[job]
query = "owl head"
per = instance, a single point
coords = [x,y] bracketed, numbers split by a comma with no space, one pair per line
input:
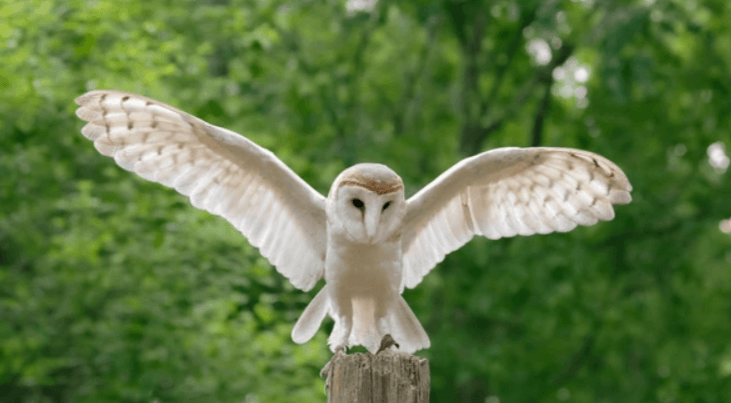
[366,204]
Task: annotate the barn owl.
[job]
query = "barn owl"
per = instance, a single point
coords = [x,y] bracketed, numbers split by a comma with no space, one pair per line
[365,239]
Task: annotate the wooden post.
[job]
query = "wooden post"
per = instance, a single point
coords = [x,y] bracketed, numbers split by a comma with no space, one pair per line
[386,377]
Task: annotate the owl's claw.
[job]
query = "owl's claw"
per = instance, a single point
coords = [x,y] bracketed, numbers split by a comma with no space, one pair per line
[339,352]
[386,342]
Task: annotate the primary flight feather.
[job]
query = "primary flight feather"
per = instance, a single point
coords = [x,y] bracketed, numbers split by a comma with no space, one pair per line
[364,239]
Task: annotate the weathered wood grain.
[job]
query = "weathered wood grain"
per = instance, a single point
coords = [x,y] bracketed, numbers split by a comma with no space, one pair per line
[383,378]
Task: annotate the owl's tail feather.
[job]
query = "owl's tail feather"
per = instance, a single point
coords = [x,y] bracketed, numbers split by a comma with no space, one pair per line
[405,328]
[311,318]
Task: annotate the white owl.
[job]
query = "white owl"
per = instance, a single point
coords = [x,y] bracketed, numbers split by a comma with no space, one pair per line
[365,239]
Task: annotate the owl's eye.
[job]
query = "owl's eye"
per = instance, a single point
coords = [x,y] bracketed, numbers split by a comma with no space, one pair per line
[358,204]
[385,206]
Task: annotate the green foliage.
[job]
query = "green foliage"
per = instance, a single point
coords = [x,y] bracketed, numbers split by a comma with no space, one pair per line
[113,289]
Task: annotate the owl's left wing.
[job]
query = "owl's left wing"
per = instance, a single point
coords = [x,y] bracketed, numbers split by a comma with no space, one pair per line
[507,192]
[221,171]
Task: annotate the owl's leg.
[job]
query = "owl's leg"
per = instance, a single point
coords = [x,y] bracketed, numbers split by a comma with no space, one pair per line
[341,332]
[338,340]
[384,330]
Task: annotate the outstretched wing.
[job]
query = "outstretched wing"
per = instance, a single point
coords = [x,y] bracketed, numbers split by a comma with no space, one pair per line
[507,192]
[221,171]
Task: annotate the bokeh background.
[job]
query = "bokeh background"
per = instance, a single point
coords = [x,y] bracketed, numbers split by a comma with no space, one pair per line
[113,289]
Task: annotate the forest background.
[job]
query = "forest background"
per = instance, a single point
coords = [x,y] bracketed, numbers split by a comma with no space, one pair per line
[113,289]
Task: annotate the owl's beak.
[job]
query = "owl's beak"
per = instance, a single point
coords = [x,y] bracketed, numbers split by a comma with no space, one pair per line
[372,217]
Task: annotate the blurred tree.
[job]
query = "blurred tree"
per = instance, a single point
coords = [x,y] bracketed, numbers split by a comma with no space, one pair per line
[115,289]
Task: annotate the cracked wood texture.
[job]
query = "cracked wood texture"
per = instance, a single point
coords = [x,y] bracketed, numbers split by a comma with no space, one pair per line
[381,378]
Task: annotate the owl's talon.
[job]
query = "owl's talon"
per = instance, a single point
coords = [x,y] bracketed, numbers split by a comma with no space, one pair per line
[386,342]
[339,352]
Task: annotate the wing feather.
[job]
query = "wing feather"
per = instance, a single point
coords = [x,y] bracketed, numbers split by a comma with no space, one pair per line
[220,171]
[508,192]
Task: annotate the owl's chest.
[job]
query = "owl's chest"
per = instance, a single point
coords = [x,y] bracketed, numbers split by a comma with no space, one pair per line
[364,268]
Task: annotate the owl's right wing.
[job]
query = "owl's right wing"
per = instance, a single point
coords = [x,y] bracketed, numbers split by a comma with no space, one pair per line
[507,192]
[220,171]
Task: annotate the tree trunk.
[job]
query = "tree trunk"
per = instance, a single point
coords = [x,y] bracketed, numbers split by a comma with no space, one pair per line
[383,378]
